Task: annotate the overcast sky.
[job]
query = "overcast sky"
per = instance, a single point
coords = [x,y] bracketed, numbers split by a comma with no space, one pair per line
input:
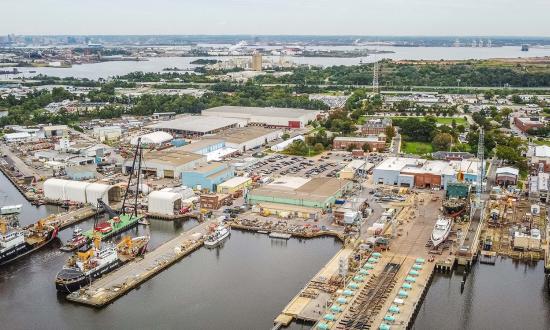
[320,17]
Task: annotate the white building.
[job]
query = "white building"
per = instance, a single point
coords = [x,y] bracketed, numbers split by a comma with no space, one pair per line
[247,138]
[275,117]
[283,145]
[194,126]
[163,202]
[79,191]
[107,133]
[152,138]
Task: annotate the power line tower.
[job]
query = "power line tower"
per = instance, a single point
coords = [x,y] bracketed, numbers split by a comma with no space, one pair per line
[375,73]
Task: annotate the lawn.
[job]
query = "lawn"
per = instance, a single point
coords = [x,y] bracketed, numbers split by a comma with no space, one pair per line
[541,142]
[416,148]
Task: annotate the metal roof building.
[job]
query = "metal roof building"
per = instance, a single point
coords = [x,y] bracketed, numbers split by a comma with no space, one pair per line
[168,163]
[315,192]
[269,116]
[190,126]
[247,138]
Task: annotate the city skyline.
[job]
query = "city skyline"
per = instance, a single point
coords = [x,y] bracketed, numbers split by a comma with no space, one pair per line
[268,17]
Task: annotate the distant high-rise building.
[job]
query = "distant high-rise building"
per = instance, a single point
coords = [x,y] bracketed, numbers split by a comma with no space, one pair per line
[257,61]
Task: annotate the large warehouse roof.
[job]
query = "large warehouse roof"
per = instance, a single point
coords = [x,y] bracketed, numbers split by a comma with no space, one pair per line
[258,111]
[153,138]
[174,157]
[316,189]
[244,134]
[198,124]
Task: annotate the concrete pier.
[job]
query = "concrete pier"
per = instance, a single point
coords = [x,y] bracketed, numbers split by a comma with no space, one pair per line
[116,284]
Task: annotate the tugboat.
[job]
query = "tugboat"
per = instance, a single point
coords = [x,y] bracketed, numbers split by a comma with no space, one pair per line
[16,242]
[221,232]
[92,262]
[75,242]
[441,231]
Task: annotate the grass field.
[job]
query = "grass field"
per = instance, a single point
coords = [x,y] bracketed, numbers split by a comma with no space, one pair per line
[416,148]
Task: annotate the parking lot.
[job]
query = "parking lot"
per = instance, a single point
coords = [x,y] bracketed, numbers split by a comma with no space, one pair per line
[279,165]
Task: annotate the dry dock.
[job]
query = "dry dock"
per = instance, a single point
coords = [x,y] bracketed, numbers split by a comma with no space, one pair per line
[116,284]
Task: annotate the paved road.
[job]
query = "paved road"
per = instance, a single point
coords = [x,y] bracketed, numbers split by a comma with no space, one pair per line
[17,162]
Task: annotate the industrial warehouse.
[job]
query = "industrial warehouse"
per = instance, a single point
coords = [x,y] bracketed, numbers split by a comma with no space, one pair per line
[421,173]
[168,163]
[271,117]
[320,193]
[196,126]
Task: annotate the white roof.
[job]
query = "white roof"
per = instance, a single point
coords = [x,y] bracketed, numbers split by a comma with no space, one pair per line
[507,170]
[235,182]
[217,155]
[162,202]
[200,124]
[542,151]
[397,163]
[259,111]
[153,138]
[18,135]
[288,182]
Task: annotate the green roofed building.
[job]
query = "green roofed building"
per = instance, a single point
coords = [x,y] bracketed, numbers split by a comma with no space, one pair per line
[318,193]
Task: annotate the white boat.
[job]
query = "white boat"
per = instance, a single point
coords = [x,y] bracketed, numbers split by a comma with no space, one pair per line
[441,230]
[220,234]
[11,209]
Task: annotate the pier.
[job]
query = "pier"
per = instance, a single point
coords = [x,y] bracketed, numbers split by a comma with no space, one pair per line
[69,218]
[116,284]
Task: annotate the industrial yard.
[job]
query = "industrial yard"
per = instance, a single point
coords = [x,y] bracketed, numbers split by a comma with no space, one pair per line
[233,173]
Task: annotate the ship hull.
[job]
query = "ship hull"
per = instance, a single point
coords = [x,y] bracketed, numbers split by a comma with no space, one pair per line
[439,238]
[217,241]
[19,252]
[78,279]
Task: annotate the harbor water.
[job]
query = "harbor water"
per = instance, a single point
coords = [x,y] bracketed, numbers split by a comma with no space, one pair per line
[509,295]
[243,284]
[157,64]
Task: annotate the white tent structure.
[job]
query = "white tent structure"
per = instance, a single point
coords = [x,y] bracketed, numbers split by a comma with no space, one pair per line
[283,145]
[80,191]
[163,202]
[158,137]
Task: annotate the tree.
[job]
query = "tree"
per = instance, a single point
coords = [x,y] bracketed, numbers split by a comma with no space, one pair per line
[318,148]
[351,147]
[285,136]
[366,147]
[442,141]
[390,133]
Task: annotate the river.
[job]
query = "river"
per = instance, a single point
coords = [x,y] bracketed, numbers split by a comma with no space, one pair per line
[508,295]
[244,284]
[157,64]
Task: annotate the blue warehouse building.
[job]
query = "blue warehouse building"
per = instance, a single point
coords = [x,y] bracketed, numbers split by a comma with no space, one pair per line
[207,176]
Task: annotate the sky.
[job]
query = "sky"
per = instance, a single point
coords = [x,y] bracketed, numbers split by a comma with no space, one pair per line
[291,17]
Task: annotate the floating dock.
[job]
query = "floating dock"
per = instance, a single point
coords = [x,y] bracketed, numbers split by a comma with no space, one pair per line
[114,285]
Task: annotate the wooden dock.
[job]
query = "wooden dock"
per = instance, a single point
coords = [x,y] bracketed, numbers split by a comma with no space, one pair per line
[116,284]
